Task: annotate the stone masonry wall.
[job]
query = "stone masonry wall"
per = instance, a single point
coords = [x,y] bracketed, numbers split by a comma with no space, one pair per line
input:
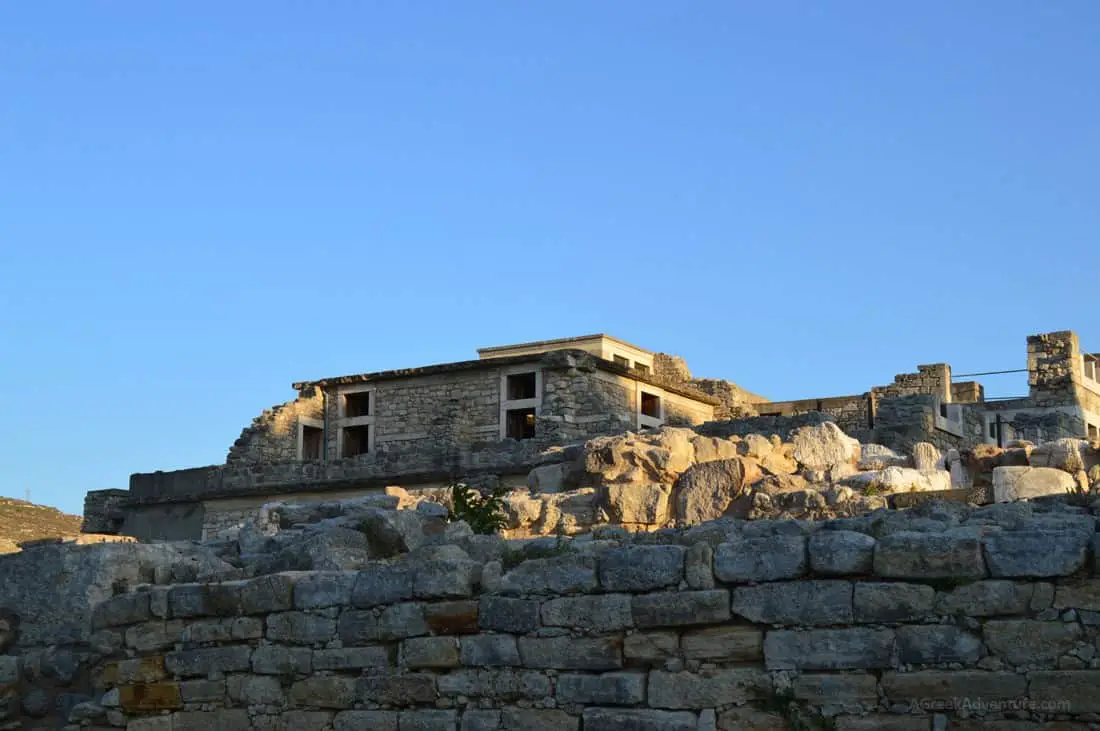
[943,619]
[273,435]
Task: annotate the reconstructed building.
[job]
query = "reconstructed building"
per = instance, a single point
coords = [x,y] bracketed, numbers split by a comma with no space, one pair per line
[516,407]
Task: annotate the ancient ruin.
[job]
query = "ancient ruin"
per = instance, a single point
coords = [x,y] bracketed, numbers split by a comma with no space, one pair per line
[676,554]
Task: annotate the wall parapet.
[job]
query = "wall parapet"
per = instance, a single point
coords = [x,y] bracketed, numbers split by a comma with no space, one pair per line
[866,622]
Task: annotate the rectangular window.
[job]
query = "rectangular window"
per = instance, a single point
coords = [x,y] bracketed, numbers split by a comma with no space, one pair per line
[356,404]
[520,424]
[521,386]
[651,405]
[356,440]
[943,410]
[641,368]
[624,362]
[993,429]
[1093,431]
[312,440]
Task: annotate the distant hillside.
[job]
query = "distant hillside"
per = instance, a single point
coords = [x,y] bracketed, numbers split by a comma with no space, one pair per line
[23,521]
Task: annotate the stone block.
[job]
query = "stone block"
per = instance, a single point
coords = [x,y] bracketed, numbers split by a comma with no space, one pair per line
[148,669]
[892,602]
[1030,642]
[452,618]
[430,652]
[396,690]
[723,644]
[1024,483]
[121,610]
[481,720]
[912,555]
[618,719]
[594,612]
[699,566]
[744,718]
[149,697]
[11,668]
[396,622]
[497,684]
[680,608]
[261,690]
[1036,553]
[650,648]
[267,594]
[323,691]
[883,722]
[294,721]
[383,583]
[809,603]
[766,558]
[154,636]
[489,650]
[1067,691]
[571,653]
[362,720]
[986,599]
[841,553]
[300,628]
[568,574]
[855,648]
[506,614]
[223,720]
[606,689]
[528,719]
[204,600]
[707,689]
[834,689]
[952,684]
[446,579]
[350,658]
[641,568]
[935,644]
[318,589]
[202,691]
[276,660]
[427,720]
[208,661]
[150,723]
[1082,595]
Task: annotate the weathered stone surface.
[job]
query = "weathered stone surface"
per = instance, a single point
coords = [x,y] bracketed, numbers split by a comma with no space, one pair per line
[597,612]
[323,691]
[882,722]
[927,457]
[224,720]
[933,644]
[820,602]
[617,719]
[705,491]
[383,583]
[746,718]
[949,685]
[1036,553]
[1022,483]
[649,648]
[641,568]
[398,690]
[271,593]
[722,644]
[853,648]
[204,600]
[824,447]
[830,689]
[446,579]
[1066,454]
[395,622]
[698,566]
[878,457]
[318,589]
[207,661]
[568,574]
[300,628]
[892,602]
[547,478]
[263,690]
[1025,641]
[276,660]
[912,555]
[674,609]
[503,684]
[506,614]
[427,720]
[569,653]
[637,504]
[1077,689]
[489,650]
[606,689]
[767,558]
[122,610]
[350,658]
[359,720]
[986,599]
[841,552]
[430,652]
[706,689]
[452,618]
[1083,595]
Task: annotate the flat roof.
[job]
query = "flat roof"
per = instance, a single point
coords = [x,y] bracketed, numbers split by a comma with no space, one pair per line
[561,341]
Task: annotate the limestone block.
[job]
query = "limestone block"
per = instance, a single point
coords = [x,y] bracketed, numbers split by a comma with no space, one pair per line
[383,583]
[807,603]
[651,647]
[680,608]
[1077,688]
[1084,595]
[207,661]
[832,689]
[398,690]
[452,618]
[121,610]
[262,690]
[949,685]
[350,658]
[505,614]
[568,574]
[489,650]
[480,720]
[501,684]
[704,491]
[913,555]
[446,579]
[892,602]
[617,719]
[766,558]
[271,593]
[358,720]
[709,449]
[571,653]
[547,479]
[707,689]
[986,599]
[932,644]
[204,600]
[1022,483]
[900,479]
[927,457]
[1068,455]
[606,689]
[223,720]
[594,612]
[854,648]
[1026,641]
[824,446]
[276,660]
[841,552]
[723,644]
[430,652]
[144,698]
[526,719]
[300,628]
[633,503]
[318,589]
[641,568]
[323,691]
[878,457]
[1036,553]
[746,718]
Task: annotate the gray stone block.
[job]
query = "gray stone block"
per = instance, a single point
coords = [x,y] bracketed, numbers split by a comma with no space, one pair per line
[383,583]
[707,689]
[446,579]
[323,691]
[680,608]
[1028,642]
[430,652]
[854,648]
[841,553]
[618,719]
[571,653]
[489,650]
[723,644]
[892,602]
[569,574]
[397,690]
[1036,554]
[912,555]
[766,558]
[606,689]
[207,661]
[360,720]
[204,600]
[507,614]
[935,644]
[276,660]
[595,612]
[427,720]
[122,610]
[528,719]
[324,589]
[266,594]
[806,603]
[641,568]
[352,658]
[497,684]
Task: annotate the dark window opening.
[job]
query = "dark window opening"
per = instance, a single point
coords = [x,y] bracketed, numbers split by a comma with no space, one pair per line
[312,439]
[651,405]
[1093,431]
[943,410]
[520,424]
[356,440]
[357,404]
[624,362]
[521,386]
[993,429]
[641,368]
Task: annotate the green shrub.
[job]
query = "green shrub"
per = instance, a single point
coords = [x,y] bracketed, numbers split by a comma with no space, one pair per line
[483,513]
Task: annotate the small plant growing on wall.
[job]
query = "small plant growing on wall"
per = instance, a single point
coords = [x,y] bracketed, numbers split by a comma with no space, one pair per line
[484,513]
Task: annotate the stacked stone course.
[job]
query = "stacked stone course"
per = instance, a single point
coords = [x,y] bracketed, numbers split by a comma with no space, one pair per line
[889,622]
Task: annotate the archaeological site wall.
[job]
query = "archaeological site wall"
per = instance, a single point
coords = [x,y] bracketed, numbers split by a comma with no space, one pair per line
[941,617]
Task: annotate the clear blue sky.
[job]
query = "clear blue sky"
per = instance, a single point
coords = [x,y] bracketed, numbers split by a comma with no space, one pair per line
[202,202]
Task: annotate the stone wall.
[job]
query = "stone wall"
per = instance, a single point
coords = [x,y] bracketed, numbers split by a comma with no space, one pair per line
[938,618]
[933,380]
[901,423]
[102,511]
[273,435]
[851,413]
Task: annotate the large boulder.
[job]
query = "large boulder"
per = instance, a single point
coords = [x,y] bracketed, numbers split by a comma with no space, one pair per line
[548,478]
[657,457]
[823,447]
[704,491]
[927,457]
[1021,483]
[1068,455]
[879,457]
[642,505]
[899,479]
[708,449]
